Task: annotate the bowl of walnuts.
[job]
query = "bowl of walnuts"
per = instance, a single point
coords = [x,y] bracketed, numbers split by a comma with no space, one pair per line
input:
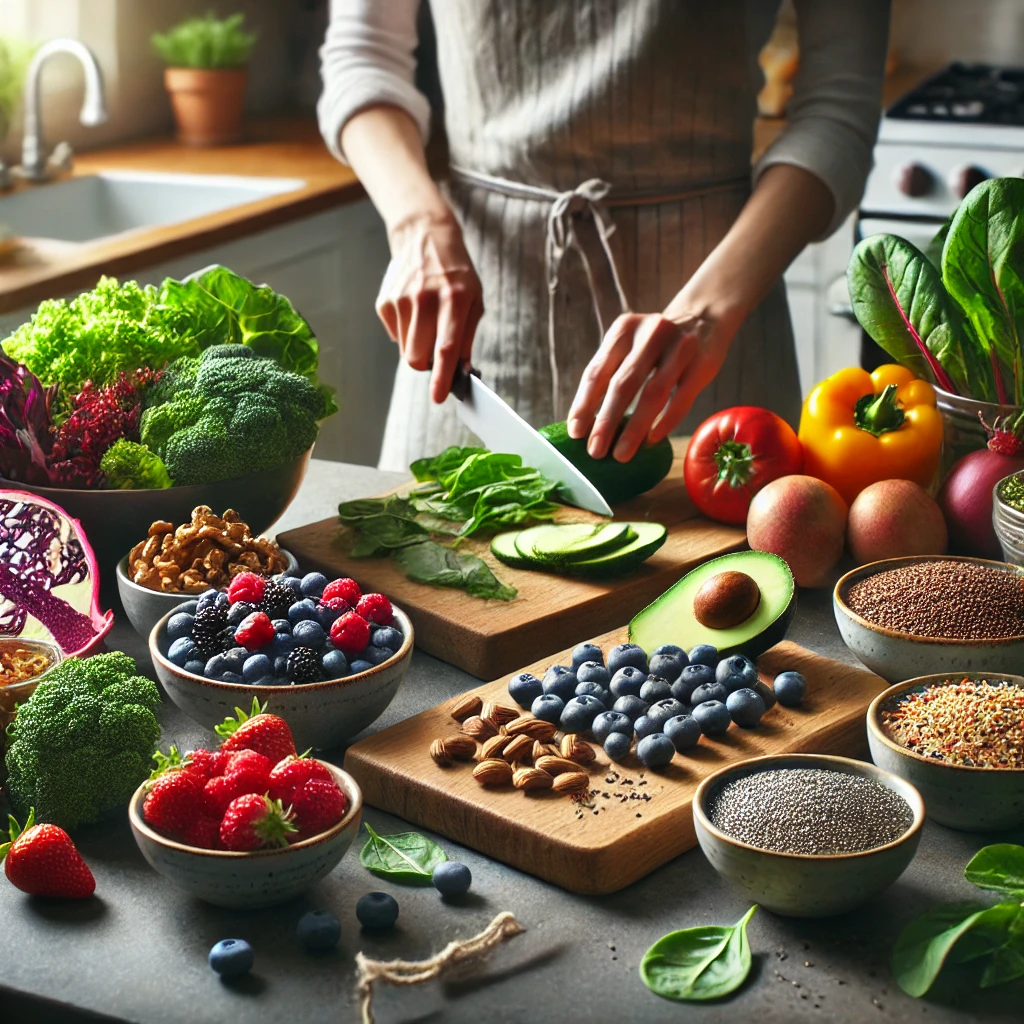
[176,564]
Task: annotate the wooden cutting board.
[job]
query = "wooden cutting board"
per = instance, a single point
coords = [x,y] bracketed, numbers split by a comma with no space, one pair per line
[487,638]
[637,819]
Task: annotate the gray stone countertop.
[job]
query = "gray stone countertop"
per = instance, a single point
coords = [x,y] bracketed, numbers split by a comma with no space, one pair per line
[137,951]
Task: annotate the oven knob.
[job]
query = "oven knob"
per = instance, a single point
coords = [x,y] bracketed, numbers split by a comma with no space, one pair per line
[913,179]
[965,177]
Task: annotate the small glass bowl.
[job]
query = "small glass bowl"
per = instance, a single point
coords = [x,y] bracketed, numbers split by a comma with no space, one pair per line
[1008,522]
[17,693]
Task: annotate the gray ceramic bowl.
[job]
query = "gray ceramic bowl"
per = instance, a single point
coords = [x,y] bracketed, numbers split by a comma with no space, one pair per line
[802,885]
[971,799]
[896,656]
[145,607]
[250,880]
[321,715]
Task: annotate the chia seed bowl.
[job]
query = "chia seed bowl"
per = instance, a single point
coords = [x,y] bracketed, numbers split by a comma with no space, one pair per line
[972,798]
[802,884]
[897,654]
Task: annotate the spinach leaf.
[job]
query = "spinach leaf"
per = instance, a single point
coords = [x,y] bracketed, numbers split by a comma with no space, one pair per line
[999,868]
[1008,959]
[403,857]
[699,963]
[429,562]
[923,946]
[440,466]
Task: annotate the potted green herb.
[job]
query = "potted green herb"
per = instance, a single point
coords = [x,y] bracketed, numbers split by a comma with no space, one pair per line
[14,59]
[206,77]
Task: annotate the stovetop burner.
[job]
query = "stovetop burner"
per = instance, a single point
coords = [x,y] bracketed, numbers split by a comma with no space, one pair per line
[968,94]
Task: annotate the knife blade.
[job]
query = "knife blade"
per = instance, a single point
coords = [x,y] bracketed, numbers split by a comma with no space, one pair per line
[502,429]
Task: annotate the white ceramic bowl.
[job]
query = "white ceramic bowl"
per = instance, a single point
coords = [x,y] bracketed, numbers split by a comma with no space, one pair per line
[250,880]
[321,715]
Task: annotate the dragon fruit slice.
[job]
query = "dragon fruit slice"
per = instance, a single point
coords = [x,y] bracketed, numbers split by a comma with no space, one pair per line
[49,584]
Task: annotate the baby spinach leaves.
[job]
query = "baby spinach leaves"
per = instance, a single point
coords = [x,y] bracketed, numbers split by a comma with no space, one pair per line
[699,963]
[435,564]
[403,857]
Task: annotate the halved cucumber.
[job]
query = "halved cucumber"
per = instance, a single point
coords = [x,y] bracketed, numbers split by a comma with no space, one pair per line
[503,547]
[561,545]
[649,537]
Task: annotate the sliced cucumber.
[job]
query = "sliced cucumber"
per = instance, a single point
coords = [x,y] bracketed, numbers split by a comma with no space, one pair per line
[563,545]
[649,537]
[503,547]
[569,549]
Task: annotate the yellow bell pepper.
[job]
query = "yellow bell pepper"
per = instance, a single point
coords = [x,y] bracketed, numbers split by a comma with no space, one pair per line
[858,427]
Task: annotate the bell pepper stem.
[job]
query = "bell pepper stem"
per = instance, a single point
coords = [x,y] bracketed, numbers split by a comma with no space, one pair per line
[735,461]
[879,414]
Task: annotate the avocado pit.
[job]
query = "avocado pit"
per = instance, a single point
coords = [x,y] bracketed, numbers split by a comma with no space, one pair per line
[726,599]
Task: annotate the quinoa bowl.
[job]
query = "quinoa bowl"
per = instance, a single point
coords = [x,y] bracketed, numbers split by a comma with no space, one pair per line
[904,653]
[981,796]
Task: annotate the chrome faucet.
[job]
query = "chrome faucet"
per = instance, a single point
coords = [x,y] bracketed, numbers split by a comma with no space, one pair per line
[34,162]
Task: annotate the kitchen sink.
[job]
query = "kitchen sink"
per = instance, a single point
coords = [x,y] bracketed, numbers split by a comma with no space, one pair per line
[96,206]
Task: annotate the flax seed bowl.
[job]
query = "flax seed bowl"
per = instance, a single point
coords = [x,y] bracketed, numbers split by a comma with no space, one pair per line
[915,616]
[959,738]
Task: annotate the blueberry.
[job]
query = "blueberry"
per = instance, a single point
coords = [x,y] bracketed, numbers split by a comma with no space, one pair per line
[671,651]
[308,633]
[189,607]
[451,878]
[282,626]
[389,637]
[376,655]
[327,616]
[281,646]
[547,707]
[560,681]
[611,721]
[655,688]
[617,745]
[790,688]
[256,666]
[655,751]
[692,676]
[713,717]
[304,609]
[579,713]
[703,654]
[359,665]
[765,692]
[235,658]
[232,957]
[627,681]
[745,707]
[231,677]
[207,599]
[195,666]
[593,672]
[267,680]
[335,665]
[583,653]
[627,654]
[663,710]
[524,688]
[735,672]
[377,911]
[668,666]
[183,649]
[238,611]
[318,931]
[646,726]
[594,690]
[215,666]
[294,583]
[179,625]
[313,583]
[281,665]
[709,691]
[683,731]
[630,706]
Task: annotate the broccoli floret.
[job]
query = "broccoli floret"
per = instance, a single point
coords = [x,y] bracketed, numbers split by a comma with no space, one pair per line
[230,413]
[129,466]
[81,744]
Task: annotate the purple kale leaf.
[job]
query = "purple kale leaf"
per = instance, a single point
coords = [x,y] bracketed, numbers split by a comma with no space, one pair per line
[26,425]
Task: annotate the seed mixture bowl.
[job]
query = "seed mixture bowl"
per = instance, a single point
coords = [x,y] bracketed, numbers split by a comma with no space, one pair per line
[14,693]
[1008,521]
[896,655]
[801,884]
[321,715]
[970,798]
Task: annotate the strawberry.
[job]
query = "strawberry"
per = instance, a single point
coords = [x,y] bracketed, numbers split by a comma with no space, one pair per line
[317,805]
[173,802]
[247,772]
[258,731]
[204,832]
[286,775]
[203,764]
[43,861]
[254,822]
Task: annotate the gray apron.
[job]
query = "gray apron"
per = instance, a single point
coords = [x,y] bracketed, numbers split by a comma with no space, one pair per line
[600,149]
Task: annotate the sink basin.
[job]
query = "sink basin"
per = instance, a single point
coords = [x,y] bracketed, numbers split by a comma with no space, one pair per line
[96,206]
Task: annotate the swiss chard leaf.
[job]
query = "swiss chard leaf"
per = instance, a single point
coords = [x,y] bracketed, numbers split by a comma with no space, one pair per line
[933,250]
[432,563]
[999,867]
[403,857]
[699,963]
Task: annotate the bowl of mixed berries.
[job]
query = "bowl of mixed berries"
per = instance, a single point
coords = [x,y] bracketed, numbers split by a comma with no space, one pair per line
[249,824]
[321,653]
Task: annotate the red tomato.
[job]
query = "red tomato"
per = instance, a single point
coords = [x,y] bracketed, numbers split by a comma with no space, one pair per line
[733,454]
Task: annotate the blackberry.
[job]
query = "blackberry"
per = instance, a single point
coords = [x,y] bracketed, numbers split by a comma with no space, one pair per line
[277,599]
[304,665]
[207,629]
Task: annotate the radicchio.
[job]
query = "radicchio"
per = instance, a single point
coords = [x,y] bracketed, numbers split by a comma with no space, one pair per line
[26,425]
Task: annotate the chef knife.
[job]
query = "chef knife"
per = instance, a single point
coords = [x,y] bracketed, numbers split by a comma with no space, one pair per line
[502,429]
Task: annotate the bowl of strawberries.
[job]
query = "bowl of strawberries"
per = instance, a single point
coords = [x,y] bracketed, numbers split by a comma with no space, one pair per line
[249,824]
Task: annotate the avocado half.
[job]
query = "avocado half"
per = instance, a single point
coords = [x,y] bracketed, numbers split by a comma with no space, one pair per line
[670,618]
[617,481]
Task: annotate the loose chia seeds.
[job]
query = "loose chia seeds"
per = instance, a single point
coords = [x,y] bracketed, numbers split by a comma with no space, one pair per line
[811,811]
[974,724]
[950,599]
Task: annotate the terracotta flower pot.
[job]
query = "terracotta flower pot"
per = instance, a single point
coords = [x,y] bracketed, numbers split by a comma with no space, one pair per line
[207,104]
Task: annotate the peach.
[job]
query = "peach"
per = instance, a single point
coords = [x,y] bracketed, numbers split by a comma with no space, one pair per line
[893,518]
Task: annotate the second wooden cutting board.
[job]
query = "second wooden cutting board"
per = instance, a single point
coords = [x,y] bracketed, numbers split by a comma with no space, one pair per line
[488,638]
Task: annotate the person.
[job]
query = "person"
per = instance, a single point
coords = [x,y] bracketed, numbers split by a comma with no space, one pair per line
[600,204]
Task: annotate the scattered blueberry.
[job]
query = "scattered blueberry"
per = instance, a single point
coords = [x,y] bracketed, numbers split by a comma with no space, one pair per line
[583,653]
[765,692]
[655,688]
[256,666]
[376,655]
[646,726]
[611,721]
[189,607]
[735,672]
[627,654]
[655,751]
[377,911]
[593,672]
[709,691]
[745,707]
[595,690]
[359,665]
[617,745]
[671,651]
[183,649]
[179,625]
[452,878]
[663,710]
[319,931]
[238,612]
[561,681]
[692,676]
[282,626]
[388,637]
[308,633]
[195,666]
[668,666]
[231,677]
[579,713]
[304,609]
[713,718]
[683,730]
[215,666]
[703,654]
[335,664]
[313,583]
[232,957]
[627,681]
[790,688]
[524,689]
[630,706]
[548,707]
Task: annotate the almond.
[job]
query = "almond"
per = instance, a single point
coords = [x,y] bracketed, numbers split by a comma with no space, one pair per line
[466,705]
[494,747]
[556,765]
[535,728]
[531,778]
[518,748]
[460,747]
[576,749]
[498,714]
[478,728]
[439,754]
[493,772]
[571,782]
[544,749]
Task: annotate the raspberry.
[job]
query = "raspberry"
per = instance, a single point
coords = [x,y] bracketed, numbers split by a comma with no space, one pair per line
[337,604]
[346,588]
[247,586]
[375,608]
[255,631]
[351,633]
[304,665]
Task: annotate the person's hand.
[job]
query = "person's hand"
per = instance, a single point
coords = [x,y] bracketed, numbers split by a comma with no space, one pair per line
[430,300]
[667,358]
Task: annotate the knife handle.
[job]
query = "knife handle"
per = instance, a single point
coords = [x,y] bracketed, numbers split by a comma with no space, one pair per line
[460,382]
